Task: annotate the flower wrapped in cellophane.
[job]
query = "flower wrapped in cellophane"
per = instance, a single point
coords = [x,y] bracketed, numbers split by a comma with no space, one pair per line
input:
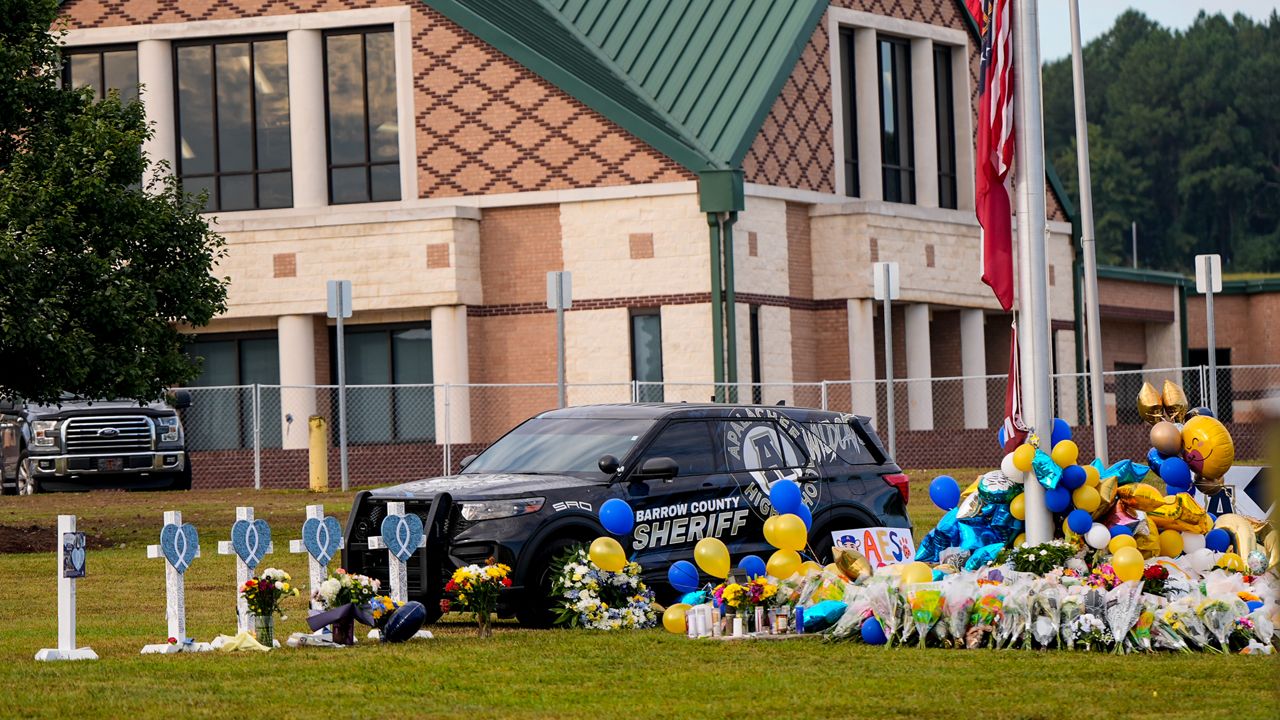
[925,601]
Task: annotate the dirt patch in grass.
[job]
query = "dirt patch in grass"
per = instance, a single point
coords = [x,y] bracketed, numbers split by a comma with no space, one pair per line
[34,538]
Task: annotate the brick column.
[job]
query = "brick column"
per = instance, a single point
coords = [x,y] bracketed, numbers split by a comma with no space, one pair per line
[155,74]
[919,366]
[973,362]
[862,357]
[924,122]
[295,336]
[866,92]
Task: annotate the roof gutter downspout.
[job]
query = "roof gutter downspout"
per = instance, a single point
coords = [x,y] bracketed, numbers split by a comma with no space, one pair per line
[717,321]
[721,196]
[731,307]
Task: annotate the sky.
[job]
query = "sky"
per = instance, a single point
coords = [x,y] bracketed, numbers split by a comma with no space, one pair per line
[1097,16]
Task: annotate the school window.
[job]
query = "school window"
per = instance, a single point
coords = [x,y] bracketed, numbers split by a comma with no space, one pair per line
[646,354]
[945,111]
[233,122]
[850,116]
[377,359]
[360,108]
[221,412]
[896,141]
[103,70]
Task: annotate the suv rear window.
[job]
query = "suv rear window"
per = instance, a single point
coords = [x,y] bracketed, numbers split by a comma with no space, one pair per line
[840,438]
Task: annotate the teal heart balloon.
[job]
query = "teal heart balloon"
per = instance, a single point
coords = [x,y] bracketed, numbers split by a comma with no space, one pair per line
[322,538]
[250,540]
[402,535]
[180,544]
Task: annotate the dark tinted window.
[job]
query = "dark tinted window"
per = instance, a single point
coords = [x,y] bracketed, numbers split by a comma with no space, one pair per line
[752,444]
[557,446]
[840,440]
[103,70]
[364,132]
[689,443]
[944,104]
[897,152]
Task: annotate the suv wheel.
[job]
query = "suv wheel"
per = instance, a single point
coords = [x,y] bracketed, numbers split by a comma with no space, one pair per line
[538,609]
[27,485]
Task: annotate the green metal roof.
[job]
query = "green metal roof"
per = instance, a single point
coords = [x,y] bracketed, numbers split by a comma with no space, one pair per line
[693,78]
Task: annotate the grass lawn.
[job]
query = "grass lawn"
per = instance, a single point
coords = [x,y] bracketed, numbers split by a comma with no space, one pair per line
[519,672]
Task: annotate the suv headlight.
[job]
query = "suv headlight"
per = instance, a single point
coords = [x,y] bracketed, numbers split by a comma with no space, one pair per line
[169,429]
[494,509]
[44,433]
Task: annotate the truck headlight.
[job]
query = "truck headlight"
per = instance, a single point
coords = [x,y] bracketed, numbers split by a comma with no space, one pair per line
[494,509]
[44,433]
[169,429]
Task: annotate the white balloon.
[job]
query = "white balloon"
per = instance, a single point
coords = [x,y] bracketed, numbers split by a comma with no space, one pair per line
[1011,471]
[1201,560]
[1098,536]
[1192,542]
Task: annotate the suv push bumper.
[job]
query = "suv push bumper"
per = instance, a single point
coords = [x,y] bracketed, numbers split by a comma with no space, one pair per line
[167,461]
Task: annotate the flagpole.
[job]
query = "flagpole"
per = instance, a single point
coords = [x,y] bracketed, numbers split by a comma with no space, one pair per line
[1036,350]
[1093,328]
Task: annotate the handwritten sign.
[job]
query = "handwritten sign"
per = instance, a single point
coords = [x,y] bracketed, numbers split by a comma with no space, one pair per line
[880,545]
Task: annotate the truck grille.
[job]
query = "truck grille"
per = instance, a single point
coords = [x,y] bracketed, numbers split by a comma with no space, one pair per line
[107,434]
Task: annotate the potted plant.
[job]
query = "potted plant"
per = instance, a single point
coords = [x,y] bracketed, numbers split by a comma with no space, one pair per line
[263,594]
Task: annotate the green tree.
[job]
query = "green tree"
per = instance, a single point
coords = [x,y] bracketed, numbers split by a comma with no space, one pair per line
[97,274]
[1184,139]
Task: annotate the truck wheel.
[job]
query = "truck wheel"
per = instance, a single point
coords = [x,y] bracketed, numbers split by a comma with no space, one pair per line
[27,485]
[182,480]
[538,608]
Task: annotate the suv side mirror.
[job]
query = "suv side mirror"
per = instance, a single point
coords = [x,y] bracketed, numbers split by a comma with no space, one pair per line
[608,464]
[466,461]
[657,468]
[181,399]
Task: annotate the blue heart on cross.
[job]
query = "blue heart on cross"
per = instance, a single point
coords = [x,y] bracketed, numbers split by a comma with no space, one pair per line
[322,538]
[77,553]
[180,544]
[402,535]
[250,540]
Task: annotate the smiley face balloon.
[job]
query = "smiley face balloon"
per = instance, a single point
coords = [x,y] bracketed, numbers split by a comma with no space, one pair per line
[1207,447]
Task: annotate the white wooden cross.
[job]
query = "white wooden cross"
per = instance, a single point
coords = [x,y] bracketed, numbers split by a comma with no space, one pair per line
[318,570]
[67,649]
[175,591]
[244,621]
[398,571]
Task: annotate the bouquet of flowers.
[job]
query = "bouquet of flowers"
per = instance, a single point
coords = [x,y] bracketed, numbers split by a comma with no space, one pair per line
[1103,577]
[745,596]
[344,588]
[957,604]
[986,614]
[883,599]
[599,600]
[1046,612]
[1124,604]
[1184,624]
[1071,608]
[264,592]
[925,601]
[1219,618]
[476,590]
[1154,579]
[1090,630]
[1014,625]
[1038,559]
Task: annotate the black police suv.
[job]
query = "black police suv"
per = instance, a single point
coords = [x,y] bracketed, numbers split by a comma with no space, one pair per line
[689,471]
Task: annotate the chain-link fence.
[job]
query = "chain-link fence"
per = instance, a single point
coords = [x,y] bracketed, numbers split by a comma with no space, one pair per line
[260,435]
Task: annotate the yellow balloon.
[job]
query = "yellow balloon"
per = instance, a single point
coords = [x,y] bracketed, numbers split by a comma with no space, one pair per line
[1170,543]
[783,564]
[917,572]
[1128,563]
[1022,537]
[1231,561]
[1086,498]
[1018,507]
[1023,456]
[771,530]
[1120,542]
[1207,447]
[1069,534]
[673,618]
[607,554]
[1065,453]
[712,556]
[1091,476]
[790,533]
[809,566]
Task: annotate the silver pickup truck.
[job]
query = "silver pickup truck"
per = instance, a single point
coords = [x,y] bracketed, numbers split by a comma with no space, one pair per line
[79,444]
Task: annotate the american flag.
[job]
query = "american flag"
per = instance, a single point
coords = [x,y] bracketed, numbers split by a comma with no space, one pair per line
[995,145]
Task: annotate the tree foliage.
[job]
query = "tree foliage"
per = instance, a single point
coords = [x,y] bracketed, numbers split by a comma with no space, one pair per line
[97,273]
[1184,139]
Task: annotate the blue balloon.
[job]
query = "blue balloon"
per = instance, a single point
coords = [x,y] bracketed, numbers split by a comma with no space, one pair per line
[1061,431]
[1079,521]
[1218,540]
[617,516]
[1201,412]
[806,515]
[872,632]
[944,492]
[697,597]
[1057,499]
[1073,476]
[1117,530]
[1000,437]
[1254,605]
[405,622]
[785,496]
[683,576]
[753,566]
[1176,474]
[1155,460]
